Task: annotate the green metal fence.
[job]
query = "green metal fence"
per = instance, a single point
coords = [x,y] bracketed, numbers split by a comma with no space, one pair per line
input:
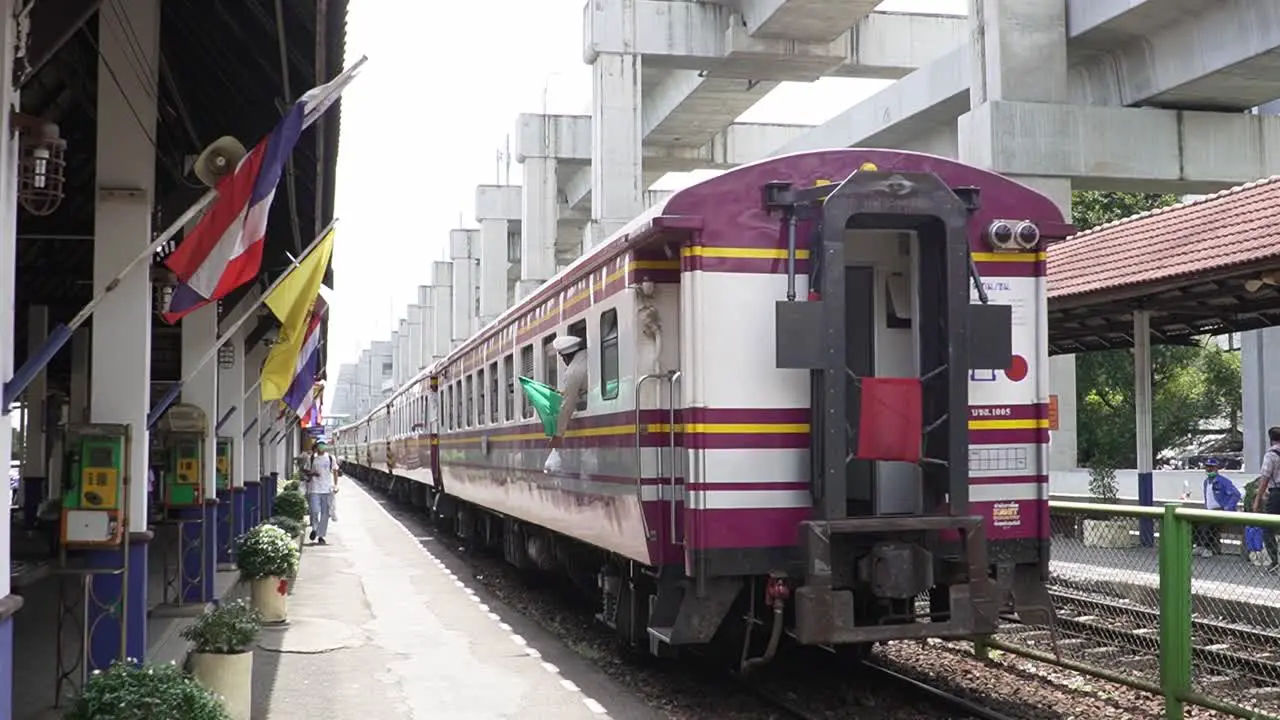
[1190,614]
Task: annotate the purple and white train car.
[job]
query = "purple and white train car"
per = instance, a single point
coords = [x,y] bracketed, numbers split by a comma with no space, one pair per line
[819,394]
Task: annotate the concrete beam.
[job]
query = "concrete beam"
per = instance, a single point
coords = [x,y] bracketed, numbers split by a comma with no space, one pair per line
[567,139]
[684,107]
[498,202]
[803,19]
[1103,23]
[703,37]
[737,144]
[711,39]
[1224,57]
[938,93]
[1127,149]
[919,103]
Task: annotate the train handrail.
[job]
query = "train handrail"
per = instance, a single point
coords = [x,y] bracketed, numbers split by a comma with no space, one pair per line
[640,447]
[675,378]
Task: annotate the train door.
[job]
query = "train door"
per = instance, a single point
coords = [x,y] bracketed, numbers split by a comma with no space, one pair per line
[659,463]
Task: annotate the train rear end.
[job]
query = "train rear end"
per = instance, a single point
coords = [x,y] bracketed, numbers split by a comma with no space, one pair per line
[914,530]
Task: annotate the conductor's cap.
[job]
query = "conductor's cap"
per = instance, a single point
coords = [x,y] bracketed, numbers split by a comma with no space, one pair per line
[567,344]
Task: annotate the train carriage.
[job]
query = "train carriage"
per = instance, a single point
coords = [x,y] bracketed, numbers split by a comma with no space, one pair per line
[818,386]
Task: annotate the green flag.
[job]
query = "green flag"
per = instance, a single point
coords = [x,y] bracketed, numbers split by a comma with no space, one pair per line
[545,401]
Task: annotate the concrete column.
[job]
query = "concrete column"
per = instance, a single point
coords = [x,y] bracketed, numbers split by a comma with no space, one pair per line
[128,37]
[199,332]
[442,308]
[8,253]
[415,338]
[230,493]
[493,269]
[1018,52]
[35,461]
[397,365]
[426,300]
[617,183]
[539,214]
[461,251]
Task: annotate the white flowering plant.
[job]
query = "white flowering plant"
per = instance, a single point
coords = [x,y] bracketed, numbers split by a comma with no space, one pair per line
[265,552]
[128,691]
[227,629]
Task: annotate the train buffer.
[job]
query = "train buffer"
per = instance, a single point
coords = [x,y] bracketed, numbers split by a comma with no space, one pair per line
[387,625]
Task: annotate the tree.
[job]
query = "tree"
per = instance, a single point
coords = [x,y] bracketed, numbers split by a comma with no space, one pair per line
[1189,384]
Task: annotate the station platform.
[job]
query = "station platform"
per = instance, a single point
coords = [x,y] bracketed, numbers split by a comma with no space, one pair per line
[382,628]
[1226,586]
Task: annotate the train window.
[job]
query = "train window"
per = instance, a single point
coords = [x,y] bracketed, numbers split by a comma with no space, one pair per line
[462,405]
[508,374]
[471,400]
[526,370]
[493,392]
[448,408]
[609,369]
[550,362]
[481,388]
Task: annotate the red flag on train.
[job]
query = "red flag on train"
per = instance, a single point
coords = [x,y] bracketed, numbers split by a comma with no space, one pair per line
[545,401]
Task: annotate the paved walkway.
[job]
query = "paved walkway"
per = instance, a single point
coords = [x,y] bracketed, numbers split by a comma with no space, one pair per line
[379,628]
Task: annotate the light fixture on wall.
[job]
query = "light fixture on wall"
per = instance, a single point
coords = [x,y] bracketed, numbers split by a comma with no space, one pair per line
[42,164]
[226,357]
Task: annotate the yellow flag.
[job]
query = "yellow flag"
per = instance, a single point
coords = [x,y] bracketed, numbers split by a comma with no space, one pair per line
[291,301]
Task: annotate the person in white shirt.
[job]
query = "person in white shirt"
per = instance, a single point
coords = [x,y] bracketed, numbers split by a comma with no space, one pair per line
[321,486]
[573,351]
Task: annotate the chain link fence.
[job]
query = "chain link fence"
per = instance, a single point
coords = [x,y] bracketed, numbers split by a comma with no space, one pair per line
[1137,588]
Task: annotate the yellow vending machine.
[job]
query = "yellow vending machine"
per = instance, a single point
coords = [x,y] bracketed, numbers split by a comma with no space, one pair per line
[94,504]
[182,431]
[224,463]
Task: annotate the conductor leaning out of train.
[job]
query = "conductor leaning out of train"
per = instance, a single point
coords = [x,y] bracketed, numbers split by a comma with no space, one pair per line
[573,352]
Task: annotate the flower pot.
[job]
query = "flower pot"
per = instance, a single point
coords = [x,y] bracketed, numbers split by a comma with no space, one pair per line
[1111,533]
[228,676]
[270,596]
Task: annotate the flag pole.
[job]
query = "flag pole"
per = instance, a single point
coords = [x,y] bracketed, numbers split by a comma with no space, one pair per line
[60,334]
[222,338]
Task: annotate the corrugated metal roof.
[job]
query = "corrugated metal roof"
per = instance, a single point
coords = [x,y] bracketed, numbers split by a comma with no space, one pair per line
[1234,227]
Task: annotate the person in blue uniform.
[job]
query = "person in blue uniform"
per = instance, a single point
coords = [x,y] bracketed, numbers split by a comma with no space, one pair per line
[1219,494]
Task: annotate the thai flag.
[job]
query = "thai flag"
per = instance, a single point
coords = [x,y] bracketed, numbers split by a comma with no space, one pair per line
[302,389]
[224,251]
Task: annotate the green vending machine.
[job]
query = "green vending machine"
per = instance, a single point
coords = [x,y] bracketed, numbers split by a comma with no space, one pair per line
[224,463]
[96,497]
[182,431]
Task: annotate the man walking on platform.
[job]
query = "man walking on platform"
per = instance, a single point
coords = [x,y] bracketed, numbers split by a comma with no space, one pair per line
[322,483]
[1269,488]
[1219,494]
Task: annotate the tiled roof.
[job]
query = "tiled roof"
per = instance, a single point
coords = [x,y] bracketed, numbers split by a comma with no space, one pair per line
[1239,226]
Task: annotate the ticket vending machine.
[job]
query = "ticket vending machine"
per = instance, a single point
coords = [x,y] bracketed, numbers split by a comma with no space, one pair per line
[96,494]
[182,431]
[223,463]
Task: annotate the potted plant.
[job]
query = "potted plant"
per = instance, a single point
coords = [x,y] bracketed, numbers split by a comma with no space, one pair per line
[291,505]
[267,557]
[1107,531]
[126,691]
[221,656]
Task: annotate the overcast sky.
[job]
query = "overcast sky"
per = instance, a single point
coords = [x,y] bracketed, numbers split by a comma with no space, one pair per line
[423,125]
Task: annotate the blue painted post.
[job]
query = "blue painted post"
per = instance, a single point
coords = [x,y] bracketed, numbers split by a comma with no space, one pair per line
[115,599]
[6,663]
[224,533]
[1142,411]
[239,513]
[209,547]
[252,504]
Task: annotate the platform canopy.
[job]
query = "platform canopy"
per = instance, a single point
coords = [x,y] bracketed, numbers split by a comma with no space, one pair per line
[1206,267]
[221,73]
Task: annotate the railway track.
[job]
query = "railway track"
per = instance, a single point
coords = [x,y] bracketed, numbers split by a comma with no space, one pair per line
[957,707]
[1107,633]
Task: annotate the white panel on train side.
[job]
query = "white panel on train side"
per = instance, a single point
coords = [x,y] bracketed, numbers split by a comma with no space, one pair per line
[1030,361]
[733,342]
